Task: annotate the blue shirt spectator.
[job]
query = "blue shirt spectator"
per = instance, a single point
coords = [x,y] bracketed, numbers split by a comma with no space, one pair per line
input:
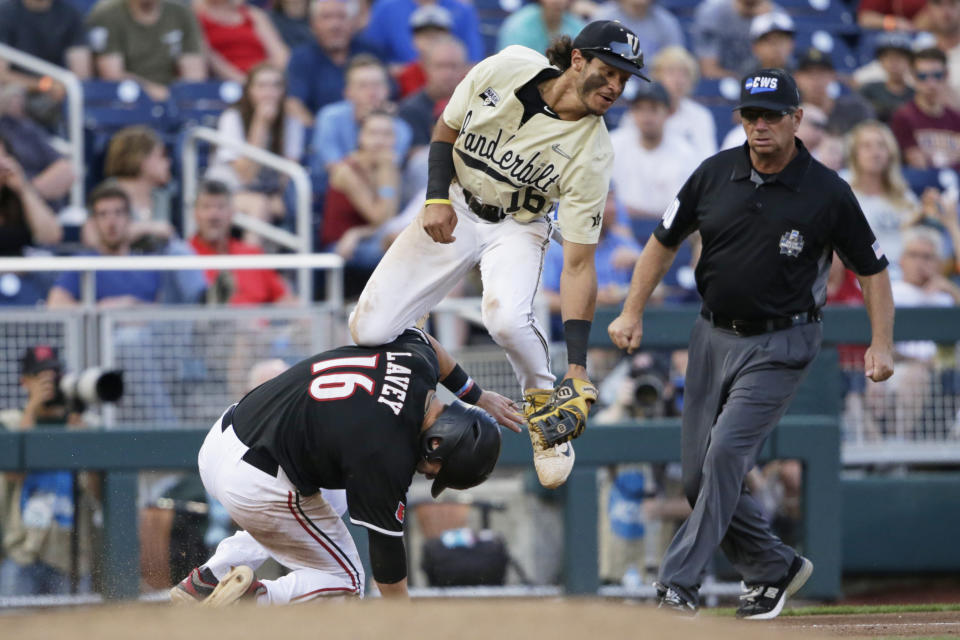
[655,27]
[314,78]
[535,25]
[142,285]
[395,44]
[335,135]
[316,72]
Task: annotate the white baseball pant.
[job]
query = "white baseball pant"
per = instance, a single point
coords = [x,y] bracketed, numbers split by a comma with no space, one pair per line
[303,533]
[417,273]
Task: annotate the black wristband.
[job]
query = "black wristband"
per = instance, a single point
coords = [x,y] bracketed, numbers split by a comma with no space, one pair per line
[440,170]
[576,333]
[462,385]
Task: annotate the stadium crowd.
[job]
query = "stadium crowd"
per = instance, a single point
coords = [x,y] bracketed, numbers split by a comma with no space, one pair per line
[351,89]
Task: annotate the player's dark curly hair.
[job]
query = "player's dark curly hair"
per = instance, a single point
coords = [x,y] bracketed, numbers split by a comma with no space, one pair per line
[560,51]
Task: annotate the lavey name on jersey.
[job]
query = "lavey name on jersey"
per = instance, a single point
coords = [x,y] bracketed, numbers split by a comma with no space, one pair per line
[395,383]
[540,175]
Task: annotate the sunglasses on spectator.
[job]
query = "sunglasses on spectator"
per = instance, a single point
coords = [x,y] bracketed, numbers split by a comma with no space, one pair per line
[769,116]
[930,75]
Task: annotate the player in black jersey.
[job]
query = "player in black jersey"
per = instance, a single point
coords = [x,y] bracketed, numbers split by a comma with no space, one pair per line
[358,419]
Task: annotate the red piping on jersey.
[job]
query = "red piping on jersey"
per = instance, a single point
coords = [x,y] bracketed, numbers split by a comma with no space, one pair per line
[328,589]
[353,578]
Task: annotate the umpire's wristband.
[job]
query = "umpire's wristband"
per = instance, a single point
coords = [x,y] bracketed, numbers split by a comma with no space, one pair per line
[576,333]
[462,385]
[440,170]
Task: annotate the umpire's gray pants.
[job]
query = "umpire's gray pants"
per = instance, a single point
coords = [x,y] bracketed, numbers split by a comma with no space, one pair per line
[736,390]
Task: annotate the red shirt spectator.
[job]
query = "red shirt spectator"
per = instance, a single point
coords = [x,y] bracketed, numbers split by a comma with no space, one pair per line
[927,129]
[251,286]
[214,213]
[238,43]
[239,38]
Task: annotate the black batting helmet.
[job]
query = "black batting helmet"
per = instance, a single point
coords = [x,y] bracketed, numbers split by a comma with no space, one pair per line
[469,447]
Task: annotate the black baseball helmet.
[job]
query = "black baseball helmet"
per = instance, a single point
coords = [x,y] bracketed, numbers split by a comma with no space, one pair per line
[469,447]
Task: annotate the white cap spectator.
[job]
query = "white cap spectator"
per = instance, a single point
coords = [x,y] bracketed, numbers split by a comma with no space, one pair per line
[773,22]
[431,16]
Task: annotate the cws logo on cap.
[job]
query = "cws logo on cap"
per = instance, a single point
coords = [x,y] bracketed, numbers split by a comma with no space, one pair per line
[761,84]
[772,89]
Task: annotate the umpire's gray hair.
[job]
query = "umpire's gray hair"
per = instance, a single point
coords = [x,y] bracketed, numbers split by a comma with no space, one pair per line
[923,233]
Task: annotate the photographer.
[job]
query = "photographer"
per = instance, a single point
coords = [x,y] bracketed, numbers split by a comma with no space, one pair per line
[40,509]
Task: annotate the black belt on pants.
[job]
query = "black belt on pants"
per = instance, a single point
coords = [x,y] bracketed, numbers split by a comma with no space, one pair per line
[486,212]
[756,327]
[255,457]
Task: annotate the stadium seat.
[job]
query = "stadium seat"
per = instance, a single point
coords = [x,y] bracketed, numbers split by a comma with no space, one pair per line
[920,179]
[201,103]
[831,43]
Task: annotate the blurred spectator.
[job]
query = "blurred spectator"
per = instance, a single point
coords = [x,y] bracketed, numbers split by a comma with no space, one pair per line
[650,167]
[317,69]
[894,53]
[51,30]
[39,510]
[363,195]
[722,34]
[389,33]
[50,173]
[536,24]
[772,42]
[690,121]
[817,80]
[214,213]
[944,18]
[155,42]
[445,65]
[239,37]
[264,370]
[430,24]
[260,119]
[367,90]
[25,218]
[137,162]
[110,212]
[878,183]
[920,285]
[655,27]
[889,15]
[926,128]
[617,253]
[291,19]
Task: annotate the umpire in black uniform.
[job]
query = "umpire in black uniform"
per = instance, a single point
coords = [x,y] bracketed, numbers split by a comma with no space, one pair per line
[770,218]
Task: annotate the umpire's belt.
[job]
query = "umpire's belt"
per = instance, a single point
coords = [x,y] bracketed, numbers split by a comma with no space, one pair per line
[255,456]
[486,212]
[757,326]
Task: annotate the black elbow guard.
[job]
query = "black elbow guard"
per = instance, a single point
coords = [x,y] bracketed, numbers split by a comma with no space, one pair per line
[388,557]
[440,170]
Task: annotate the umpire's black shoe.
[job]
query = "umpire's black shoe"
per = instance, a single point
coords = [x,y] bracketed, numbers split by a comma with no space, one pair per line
[670,600]
[765,601]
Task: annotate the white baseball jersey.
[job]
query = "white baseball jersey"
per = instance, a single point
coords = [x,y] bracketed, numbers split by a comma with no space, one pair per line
[526,166]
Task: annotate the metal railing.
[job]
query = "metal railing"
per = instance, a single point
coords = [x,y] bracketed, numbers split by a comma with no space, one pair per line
[332,263]
[300,241]
[74,110]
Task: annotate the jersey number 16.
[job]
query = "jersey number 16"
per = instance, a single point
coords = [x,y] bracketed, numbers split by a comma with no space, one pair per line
[339,386]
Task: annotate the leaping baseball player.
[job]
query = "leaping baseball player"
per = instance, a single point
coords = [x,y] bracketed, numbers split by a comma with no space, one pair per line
[523,133]
[359,419]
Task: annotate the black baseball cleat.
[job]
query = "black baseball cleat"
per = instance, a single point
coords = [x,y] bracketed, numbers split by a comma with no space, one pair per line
[765,601]
[670,600]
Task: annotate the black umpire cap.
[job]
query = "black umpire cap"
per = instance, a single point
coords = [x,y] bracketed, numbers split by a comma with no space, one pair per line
[772,89]
[614,44]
